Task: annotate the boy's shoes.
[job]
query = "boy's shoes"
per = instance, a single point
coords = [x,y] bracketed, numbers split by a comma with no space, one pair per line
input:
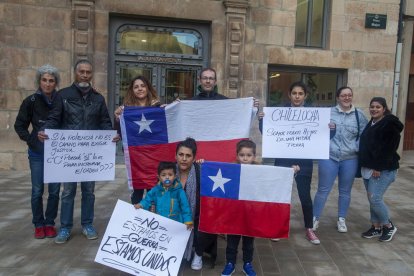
[388,233]
[89,232]
[197,263]
[315,224]
[372,233]
[342,225]
[39,232]
[275,240]
[248,269]
[50,231]
[311,236]
[228,269]
[63,236]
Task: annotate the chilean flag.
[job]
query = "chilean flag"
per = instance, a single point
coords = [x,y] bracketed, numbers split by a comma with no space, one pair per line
[150,134]
[247,200]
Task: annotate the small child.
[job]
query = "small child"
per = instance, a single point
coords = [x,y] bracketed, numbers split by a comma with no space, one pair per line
[168,197]
[246,154]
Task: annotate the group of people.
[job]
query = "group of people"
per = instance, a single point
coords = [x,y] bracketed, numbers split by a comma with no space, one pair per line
[356,145]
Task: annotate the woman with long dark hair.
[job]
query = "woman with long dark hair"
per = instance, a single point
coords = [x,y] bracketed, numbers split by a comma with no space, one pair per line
[379,162]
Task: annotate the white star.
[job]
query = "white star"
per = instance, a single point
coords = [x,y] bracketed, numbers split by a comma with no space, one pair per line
[219,181]
[144,124]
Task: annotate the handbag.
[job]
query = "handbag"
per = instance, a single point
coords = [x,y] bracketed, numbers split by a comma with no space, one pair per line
[358,172]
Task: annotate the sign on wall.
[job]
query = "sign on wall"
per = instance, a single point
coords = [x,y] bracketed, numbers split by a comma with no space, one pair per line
[375,21]
[142,243]
[79,155]
[299,132]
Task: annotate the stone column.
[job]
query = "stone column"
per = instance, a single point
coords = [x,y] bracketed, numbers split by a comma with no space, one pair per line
[235,34]
[83,20]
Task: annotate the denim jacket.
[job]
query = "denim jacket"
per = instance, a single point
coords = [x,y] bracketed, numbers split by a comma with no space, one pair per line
[344,144]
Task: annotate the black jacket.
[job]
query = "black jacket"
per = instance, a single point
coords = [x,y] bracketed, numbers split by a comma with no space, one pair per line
[213,95]
[379,143]
[34,110]
[73,111]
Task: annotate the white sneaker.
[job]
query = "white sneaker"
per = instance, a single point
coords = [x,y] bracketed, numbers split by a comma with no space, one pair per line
[275,240]
[315,224]
[197,263]
[341,225]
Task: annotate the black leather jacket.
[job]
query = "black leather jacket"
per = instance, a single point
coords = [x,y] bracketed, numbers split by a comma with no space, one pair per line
[74,111]
[34,110]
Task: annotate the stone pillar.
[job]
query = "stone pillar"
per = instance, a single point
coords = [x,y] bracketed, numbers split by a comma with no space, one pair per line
[83,20]
[407,37]
[235,34]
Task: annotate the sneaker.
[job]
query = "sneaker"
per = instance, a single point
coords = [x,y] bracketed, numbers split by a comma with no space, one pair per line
[371,233]
[39,232]
[388,233]
[228,269]
[89,232]
[63,236]
[50,231]
[342,225]
[248,269]
[197,263]
[315,224]
[275,240]
[311,236]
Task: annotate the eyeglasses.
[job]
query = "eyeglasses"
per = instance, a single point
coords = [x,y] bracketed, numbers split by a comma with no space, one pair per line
[345,96]
[208,78]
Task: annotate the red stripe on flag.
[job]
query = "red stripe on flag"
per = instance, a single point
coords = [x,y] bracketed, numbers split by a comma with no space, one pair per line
[144,163]
[144,160]
[246,218]
[222,151]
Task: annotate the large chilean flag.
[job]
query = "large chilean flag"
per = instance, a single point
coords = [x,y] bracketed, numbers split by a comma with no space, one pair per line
[150,134]
[248,200]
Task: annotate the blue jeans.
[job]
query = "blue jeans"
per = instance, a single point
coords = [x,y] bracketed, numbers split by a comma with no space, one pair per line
[328,170]
[48,218]
[303,184]
[376,188]
[68,202]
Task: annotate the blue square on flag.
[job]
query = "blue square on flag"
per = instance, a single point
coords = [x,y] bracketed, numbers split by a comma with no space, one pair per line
[220,180]
[145,125]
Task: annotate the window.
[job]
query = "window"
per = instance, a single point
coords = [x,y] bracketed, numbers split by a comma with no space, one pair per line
[159,41]
[311,23]
[322,84]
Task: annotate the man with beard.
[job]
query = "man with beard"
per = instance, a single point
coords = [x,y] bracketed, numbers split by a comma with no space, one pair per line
[78,107]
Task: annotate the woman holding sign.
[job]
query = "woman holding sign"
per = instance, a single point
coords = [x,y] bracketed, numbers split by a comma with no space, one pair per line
[347,124]
[298,93]
[34,111]
[140,93]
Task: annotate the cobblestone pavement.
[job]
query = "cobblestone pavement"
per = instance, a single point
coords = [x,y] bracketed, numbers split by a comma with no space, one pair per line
[338,254]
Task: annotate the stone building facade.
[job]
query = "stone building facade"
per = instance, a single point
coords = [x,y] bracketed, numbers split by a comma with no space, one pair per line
[245,38]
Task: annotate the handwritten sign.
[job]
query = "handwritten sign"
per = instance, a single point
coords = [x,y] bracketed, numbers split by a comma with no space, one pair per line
[142,243]
[296,132]
[79,155]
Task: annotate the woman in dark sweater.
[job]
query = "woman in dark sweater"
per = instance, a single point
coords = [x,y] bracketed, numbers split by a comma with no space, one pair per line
[379,161]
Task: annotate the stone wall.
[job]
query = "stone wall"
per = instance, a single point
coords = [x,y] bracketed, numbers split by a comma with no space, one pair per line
[247,36]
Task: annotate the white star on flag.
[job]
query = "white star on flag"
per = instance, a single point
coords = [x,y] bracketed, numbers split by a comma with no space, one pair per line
[144,124]
[219,181]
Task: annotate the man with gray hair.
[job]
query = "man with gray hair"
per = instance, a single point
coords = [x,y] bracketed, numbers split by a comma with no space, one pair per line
[34,111]
[78,107]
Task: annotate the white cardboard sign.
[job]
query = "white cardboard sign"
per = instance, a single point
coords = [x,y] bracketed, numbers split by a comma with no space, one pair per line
[142,243]
[296,132]
[79,155]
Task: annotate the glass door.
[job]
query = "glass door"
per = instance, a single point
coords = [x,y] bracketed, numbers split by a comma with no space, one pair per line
[178,82]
